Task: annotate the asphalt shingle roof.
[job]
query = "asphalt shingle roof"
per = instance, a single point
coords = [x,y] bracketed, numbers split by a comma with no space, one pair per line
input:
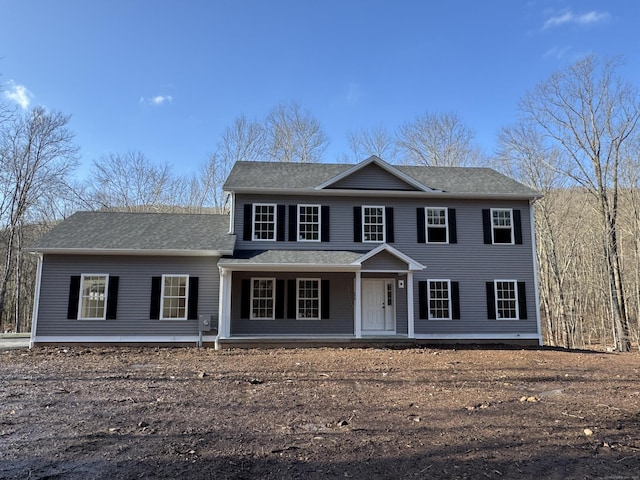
[307,176]
[293,257]
[176,232]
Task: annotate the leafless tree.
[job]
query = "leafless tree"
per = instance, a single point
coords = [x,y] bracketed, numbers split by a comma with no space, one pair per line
[375,141]
[591,113]
[37,157]
[131,182]
[438,139]
[294,135]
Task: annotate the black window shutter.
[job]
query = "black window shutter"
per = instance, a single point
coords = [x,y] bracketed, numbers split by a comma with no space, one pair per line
[423,300]
[156,289]
[112,299]
[291,298]
[325,307]
[455,300]
[74,297]
[324,223]
[245,298]
[192,307]
[486,225]
[357,224]
[517,227]
[453,229]
[248,221]
[491,301]
[390,238]
[293,223]
[279,313]
[522,301]
[422,236]
[281,223]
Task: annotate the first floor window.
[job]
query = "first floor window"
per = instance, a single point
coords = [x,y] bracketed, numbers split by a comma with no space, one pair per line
[439,300]
[93,297]
[174,297]
[264,221]
[262,298]
[506,299]
[437,225]
[373,224]
[308,300]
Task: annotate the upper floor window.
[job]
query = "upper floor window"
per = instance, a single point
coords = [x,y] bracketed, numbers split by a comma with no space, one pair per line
[373,225]
[264,221]
[502,225]
[174,297]
[263,294]
[437,225]
[309,223]
[93,297]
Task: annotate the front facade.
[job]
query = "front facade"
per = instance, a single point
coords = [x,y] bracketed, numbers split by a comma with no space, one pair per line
[310,253]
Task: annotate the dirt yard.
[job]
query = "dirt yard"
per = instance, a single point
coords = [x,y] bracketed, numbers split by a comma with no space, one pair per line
[115,413]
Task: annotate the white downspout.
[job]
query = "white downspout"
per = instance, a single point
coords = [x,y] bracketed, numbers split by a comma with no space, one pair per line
[535,269]
[36,302]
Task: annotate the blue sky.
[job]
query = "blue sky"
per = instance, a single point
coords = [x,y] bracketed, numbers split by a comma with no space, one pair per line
[166,77]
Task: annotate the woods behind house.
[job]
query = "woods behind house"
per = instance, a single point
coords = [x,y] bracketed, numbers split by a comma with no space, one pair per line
[576,140]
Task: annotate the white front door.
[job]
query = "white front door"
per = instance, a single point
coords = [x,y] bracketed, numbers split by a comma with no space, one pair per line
[378,305]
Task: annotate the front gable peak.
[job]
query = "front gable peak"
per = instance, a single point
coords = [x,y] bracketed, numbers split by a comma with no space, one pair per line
[373,174]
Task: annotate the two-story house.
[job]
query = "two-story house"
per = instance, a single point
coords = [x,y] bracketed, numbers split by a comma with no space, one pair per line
[321,253]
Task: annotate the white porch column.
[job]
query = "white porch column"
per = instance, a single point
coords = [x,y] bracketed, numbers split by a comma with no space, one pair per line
[410,313]
[224,304]
[357,305]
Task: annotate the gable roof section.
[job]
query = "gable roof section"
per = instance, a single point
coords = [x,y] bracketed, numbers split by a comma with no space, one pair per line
[411,263]
[314,178]
[378,164]
[139,234]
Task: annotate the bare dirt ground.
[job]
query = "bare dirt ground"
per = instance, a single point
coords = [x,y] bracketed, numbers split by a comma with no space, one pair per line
[116,413]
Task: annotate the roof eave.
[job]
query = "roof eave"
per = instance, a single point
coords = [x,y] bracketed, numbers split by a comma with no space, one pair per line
[288,267]
[131,252]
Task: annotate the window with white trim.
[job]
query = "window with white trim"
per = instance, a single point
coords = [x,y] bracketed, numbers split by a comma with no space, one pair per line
[440,299]
[263,295]
[502,225]
[309,223]
[437,225]
[308,299]
[264,221]
[373,226]
[93,297]
[506,299]
[174,295]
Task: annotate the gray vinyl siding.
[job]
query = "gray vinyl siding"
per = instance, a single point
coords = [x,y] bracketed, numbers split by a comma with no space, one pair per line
[371,177]
[340,321]
[469,261]
[134,294]
[384,261]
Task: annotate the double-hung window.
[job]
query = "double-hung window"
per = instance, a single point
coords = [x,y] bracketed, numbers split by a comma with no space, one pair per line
[264,221]
[373,226]
[502,225]
[439,300]
[437,225]
[309,223]
[262,298]
[174,297]
[308,299]
[93,297]
[506,299]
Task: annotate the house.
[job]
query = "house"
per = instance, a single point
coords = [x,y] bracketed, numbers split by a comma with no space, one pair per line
[311,253]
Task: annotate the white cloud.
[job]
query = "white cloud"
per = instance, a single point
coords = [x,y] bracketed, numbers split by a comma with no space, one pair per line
[18,94]
[557,52]
[567,17]
[157,101]
[353,93]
